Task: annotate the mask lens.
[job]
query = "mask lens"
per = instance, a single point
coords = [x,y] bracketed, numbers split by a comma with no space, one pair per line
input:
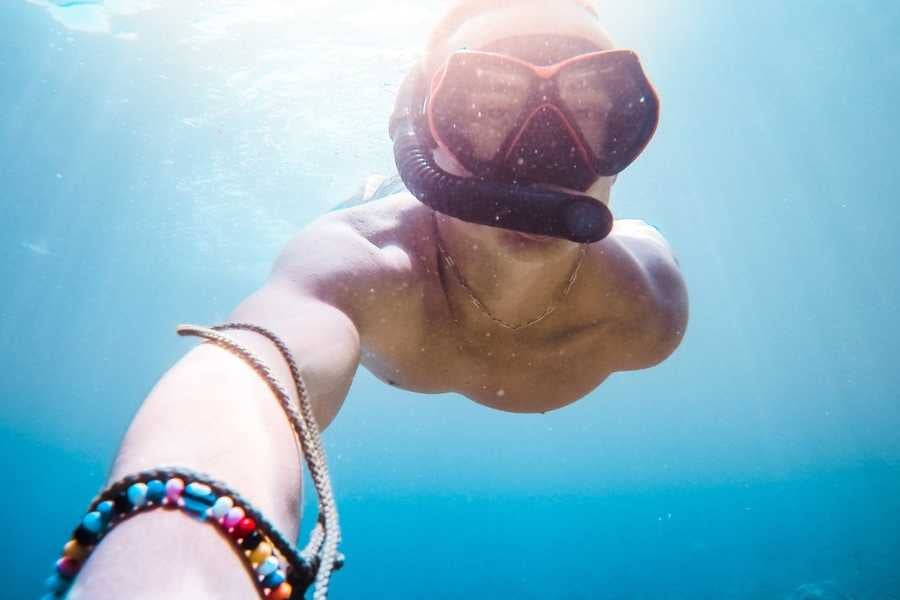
[480,102]
[587,97]
[611,106]
[477,104]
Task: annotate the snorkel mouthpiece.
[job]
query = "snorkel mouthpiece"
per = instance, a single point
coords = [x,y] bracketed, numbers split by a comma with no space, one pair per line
[587,219]
[515,206]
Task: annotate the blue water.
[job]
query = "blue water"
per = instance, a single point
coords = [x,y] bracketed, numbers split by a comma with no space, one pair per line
[155,156]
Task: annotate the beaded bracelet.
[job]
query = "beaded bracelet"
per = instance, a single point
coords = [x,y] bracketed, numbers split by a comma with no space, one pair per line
[281,573]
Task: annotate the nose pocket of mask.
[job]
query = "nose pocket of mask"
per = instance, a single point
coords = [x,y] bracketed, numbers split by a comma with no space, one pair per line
[548,151]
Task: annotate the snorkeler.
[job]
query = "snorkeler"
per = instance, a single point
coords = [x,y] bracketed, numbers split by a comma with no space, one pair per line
[498,273]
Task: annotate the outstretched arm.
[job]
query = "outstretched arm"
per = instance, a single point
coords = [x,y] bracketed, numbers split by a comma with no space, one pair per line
[213,414]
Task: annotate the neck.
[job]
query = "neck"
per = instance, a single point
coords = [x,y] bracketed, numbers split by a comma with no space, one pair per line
[515,278]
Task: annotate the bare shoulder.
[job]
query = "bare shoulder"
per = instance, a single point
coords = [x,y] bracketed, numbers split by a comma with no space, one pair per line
[638,263]
[644,239]
[651,253]
[365,247]
[395,221]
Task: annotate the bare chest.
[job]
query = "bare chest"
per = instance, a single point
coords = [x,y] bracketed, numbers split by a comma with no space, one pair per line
[415,344]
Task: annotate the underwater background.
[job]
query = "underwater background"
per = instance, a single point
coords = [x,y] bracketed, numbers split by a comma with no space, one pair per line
[155,156]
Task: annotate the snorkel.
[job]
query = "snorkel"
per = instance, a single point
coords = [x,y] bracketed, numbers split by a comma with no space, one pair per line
[527,208]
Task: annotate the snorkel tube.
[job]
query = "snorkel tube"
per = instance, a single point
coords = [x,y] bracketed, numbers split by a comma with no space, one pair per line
[515,206]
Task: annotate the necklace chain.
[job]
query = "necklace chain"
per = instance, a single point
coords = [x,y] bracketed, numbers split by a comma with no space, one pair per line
[551,308]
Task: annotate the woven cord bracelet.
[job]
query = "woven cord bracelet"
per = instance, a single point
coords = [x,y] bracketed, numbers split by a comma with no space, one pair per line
[326,535]
[281,572]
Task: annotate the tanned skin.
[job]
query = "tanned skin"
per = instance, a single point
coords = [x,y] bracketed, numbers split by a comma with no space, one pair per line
[365,286]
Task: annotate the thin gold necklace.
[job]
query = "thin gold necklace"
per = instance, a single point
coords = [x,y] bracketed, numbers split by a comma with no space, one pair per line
[554,304]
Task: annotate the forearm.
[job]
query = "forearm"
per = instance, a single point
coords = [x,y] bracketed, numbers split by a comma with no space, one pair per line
[213,414]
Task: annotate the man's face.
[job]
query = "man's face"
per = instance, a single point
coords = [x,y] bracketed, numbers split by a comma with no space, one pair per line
[541,33]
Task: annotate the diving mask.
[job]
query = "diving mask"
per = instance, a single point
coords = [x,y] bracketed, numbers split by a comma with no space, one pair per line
[564,124]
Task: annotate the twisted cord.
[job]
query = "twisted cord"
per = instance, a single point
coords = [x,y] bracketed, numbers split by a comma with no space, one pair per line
[306,432]
[316,537]
[318,464]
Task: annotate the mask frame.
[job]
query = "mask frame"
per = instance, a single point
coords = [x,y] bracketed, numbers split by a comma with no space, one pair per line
[459,101]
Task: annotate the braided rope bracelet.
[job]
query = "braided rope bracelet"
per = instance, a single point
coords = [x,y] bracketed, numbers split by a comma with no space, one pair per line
[326,535]
[281,573]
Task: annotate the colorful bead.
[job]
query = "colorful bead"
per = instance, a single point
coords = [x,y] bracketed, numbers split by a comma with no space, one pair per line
[196,489]
[273,579]
[252,541]
[105,509]
[270,565]
[198,498]
[244,528]
[156,490]
[56,584]
[195,508]
[262,552]
[74,550]
[122,505]
[67,567]
[93,522]
[221,507]
[84,536]
[137,494]
[234,517]
[174,488]
[282,592]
